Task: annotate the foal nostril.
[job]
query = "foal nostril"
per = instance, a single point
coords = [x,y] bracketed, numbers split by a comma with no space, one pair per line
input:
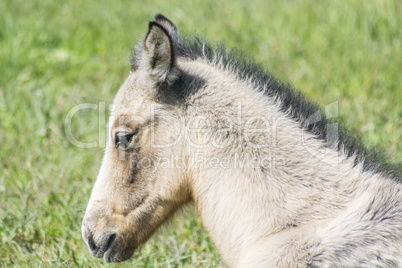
[103,242]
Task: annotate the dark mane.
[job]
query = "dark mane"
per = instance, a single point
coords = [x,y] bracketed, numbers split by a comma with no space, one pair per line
[291,101]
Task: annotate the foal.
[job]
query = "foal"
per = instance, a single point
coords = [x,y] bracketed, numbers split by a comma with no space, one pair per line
[275,184]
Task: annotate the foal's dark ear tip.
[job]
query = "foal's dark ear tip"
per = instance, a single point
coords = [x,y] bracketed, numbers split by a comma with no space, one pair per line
[159,17]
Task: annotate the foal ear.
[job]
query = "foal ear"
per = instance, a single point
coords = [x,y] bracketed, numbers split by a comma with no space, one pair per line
[159,56]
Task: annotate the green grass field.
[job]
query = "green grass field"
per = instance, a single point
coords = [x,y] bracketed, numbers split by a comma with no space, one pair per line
[55,55]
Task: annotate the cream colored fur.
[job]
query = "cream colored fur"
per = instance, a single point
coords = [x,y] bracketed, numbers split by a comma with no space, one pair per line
[293,209]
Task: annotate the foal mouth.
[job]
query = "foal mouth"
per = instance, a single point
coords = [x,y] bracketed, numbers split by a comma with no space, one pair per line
[115,254]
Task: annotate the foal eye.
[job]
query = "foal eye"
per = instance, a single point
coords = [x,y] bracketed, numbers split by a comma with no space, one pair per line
[123,139]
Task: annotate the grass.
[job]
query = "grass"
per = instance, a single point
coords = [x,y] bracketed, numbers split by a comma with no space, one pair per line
[55,55]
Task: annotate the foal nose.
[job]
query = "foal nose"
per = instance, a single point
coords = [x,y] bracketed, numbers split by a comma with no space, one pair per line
[102,245]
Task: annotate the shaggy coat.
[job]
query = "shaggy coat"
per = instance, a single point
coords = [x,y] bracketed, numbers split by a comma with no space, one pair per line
[275,183]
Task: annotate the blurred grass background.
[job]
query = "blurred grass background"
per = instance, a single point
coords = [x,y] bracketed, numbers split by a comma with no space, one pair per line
[57,54]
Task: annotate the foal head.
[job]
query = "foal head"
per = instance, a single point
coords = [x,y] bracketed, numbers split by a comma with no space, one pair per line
[134,193]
